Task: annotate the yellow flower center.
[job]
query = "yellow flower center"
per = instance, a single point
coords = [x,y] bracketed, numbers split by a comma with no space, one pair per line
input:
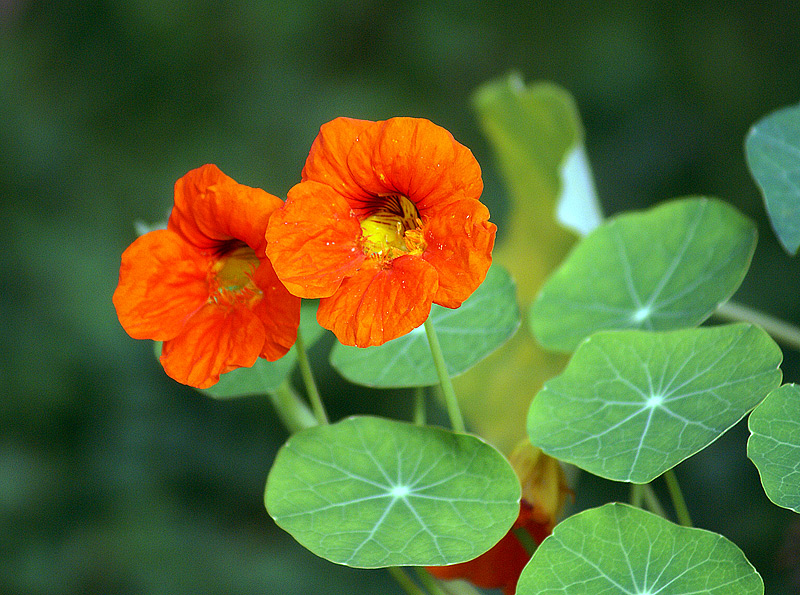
[231,275]
[394,228]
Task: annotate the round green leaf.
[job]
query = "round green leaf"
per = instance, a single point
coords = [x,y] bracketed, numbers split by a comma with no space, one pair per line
[467,335]
[370,492]
[666,268]
[618,549]
[773,155]
[774,445]
[263,376]
[632,404]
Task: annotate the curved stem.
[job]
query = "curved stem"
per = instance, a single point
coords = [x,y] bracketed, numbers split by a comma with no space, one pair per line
[453,409]
[308,379]
[652,502]
[419,406]
[637,495]
[525,539]
[404,581]
[778,329]
[678,502]
[292,411]
[430,582]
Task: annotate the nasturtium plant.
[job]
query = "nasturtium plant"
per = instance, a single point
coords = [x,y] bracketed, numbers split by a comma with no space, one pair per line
[485,321]
[371,492]
[633,404]
[665,268]
[774,445]
[611,372]
[772,148]
[624,550]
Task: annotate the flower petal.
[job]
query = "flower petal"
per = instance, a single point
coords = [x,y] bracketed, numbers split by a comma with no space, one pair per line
[278,310]
[327,159]
[216,340]
[313,241]
[499,568]
[459,241]
[212,208]
[380,304]
[416,158]
[162,282]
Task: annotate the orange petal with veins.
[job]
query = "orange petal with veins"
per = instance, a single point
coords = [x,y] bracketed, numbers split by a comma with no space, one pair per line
[313,241]
[162,282]
[218,340]
[327,159]
[212,208]
[278,310]
[416,158]
[380,304]
[459,241]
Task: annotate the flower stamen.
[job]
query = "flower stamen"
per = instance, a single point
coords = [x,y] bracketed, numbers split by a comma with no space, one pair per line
[394,228]
[230,277]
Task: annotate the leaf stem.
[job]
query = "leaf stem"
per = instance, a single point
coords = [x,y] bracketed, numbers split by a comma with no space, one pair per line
[308,379]
[780,330]
[525,539]
[433,586]
[405,582]
[652,502]
[292,411]
[419,406]
[678,502]
[453,409]
[637,494]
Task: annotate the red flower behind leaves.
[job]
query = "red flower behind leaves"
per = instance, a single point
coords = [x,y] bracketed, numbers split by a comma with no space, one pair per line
[544,491]
[385,222]
[204,285]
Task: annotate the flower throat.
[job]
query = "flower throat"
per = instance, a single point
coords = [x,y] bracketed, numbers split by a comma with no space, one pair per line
[231,275]
[393,229]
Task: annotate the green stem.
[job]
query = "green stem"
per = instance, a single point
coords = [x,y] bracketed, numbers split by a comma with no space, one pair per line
[678,502]
[652,502]
[419,406]
[453,410]
[292,411]
[525,539]
[430,582]
[637,494]
[404,581]
[781,331]
[308,379]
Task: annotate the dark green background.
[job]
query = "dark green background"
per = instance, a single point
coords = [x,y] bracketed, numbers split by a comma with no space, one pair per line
[115,480]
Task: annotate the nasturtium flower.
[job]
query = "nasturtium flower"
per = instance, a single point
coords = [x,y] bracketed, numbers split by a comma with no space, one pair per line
[385,221]
[204,285]
[544,491]
[544,485]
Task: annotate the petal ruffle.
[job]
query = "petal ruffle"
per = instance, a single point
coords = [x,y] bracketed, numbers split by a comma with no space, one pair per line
[162,282]
[416,158]
[211,208]
[313,241]
[278,310]
[327,159]
[460,239]
[380,304]
[216,340]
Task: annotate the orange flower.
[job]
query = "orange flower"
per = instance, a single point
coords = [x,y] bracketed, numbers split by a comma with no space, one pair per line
[385,222]
[544,490]
[204,285]
[500,567]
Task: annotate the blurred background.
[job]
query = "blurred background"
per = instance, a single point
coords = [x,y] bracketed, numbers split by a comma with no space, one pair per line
[116,480]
